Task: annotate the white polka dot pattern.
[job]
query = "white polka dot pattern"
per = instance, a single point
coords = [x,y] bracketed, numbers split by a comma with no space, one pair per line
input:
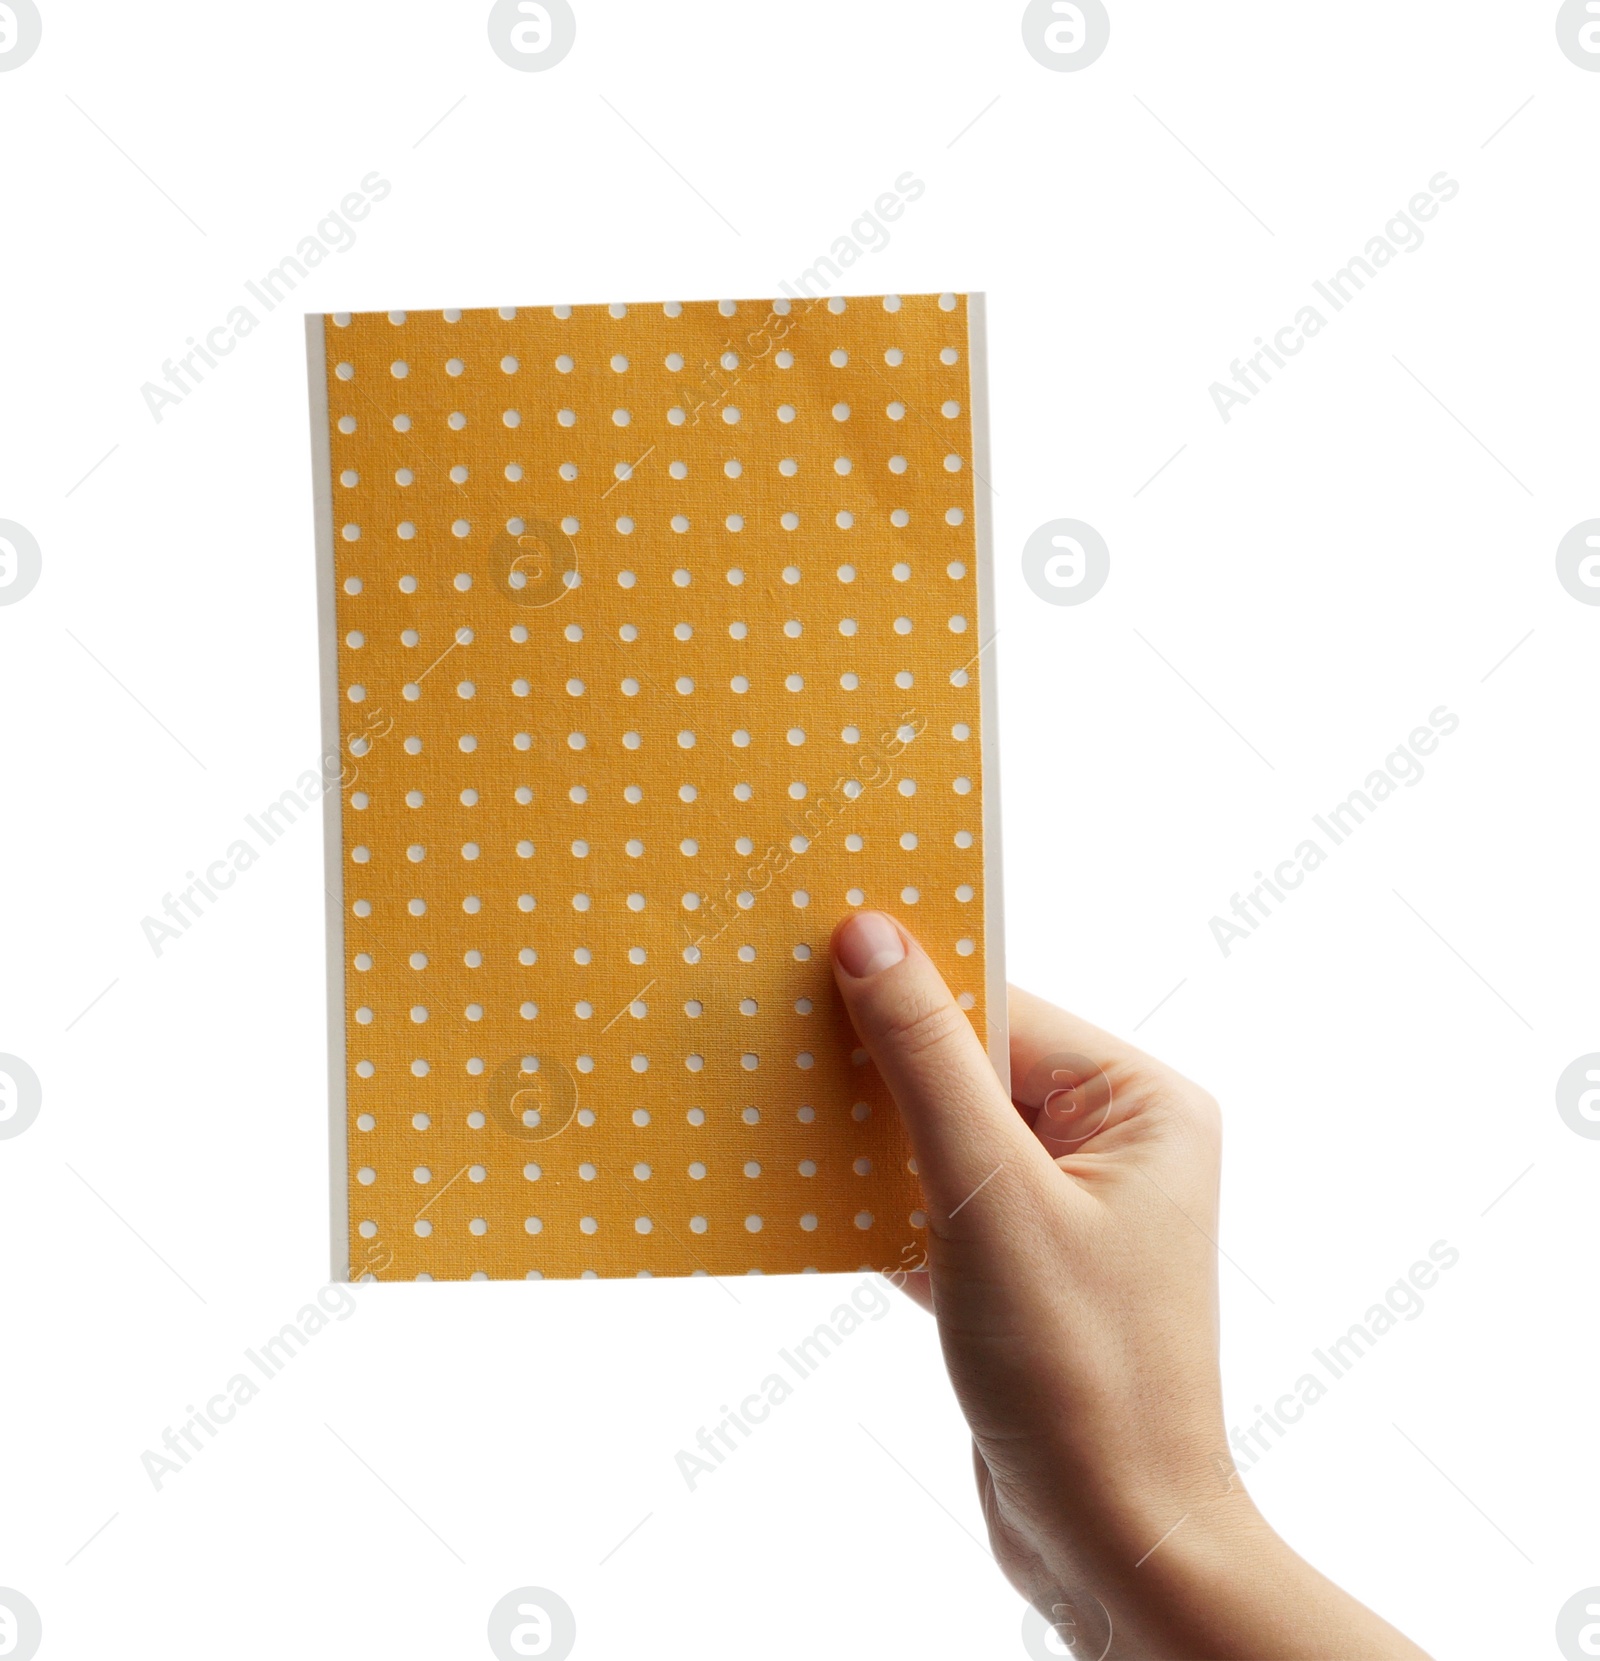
[658,635]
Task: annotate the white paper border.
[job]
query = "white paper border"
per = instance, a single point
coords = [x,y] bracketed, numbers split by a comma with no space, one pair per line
[332,799]
[994,917]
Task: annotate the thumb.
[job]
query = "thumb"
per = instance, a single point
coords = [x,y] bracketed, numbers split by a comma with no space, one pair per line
[961,1122]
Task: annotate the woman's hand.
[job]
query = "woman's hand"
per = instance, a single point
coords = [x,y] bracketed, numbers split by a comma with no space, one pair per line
[1072,1271]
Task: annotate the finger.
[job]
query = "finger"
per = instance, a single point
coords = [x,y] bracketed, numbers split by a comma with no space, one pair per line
[1061,1073]
[962,1126]
[917,1285]
[1075,1082]
[1040,1030]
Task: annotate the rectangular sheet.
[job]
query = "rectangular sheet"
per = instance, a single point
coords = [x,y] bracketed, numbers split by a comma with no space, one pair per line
[655,639]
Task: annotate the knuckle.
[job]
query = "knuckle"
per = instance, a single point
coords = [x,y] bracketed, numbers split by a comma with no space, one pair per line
[1198,1107]
[1179,1100]
[921,1025]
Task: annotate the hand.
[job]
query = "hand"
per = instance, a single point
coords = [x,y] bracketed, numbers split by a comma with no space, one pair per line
[1072,1271]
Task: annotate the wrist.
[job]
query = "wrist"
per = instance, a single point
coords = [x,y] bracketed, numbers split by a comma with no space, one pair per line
[1108,1540]
[1201,1590]
[1219,1582]
[1196,1588]
[1124,1498]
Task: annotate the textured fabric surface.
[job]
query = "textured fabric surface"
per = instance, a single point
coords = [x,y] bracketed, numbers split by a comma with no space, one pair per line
[658,652]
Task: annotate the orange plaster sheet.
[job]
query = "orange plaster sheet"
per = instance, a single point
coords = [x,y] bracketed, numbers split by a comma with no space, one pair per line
[654,643]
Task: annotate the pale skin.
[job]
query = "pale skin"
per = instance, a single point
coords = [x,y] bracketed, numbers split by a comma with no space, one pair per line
[1073,1272]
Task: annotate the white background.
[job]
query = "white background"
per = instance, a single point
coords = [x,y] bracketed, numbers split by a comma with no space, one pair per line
[1364,542]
